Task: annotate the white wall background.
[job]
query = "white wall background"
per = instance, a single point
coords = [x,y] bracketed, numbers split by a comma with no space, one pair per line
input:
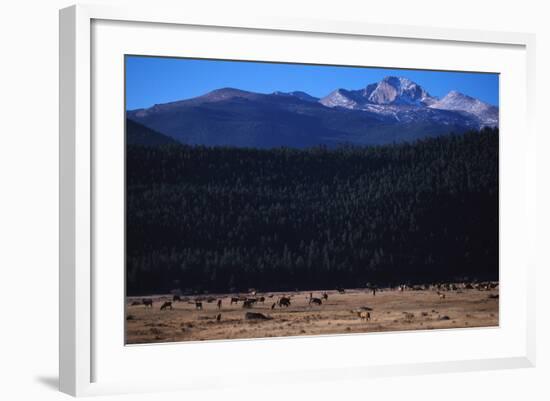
[29,196]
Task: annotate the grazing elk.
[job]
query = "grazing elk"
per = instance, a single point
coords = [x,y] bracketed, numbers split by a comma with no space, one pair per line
[147,302]
[234,300]
[166,305]
[198,305]
[219,303]
[176,298]
[363,315]
[341,290]
[316,301]
[284,301]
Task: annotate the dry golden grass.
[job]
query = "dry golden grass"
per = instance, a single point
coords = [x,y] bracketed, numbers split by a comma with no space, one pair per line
[392,310]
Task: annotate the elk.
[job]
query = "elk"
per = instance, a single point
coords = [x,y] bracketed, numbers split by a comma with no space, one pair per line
[325,296]
[261,299]
[219,303]
[316,301]
[218,317]
[176,298]
[341,290]
[363,315]
[284,301]
[198,305]
[147,302]
[234,300]
[166,305]
[441,295]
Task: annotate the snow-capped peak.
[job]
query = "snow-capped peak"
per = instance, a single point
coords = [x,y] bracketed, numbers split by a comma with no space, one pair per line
[394,95]
[399,90]
[456,101]
[389,91]
[399,82]
[340,98]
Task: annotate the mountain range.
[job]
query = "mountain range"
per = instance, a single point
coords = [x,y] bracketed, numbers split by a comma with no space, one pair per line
[393,110]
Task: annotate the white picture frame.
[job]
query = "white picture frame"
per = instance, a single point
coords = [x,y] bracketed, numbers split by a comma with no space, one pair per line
[82,344]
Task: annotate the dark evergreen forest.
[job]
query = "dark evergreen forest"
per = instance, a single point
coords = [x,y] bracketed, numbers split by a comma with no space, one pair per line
[224,219]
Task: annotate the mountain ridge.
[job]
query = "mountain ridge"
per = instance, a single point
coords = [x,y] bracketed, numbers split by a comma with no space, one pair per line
[394,109]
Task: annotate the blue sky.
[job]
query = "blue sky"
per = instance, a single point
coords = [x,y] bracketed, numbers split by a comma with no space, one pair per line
[153,80]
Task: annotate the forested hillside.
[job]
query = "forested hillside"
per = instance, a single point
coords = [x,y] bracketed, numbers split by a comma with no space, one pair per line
[137,134]
[217,219]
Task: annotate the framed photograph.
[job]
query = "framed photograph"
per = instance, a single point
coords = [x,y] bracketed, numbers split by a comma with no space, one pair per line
[329,198]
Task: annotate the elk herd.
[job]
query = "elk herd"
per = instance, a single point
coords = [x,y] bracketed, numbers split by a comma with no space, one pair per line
[246,301]
[276,301]
[441,288]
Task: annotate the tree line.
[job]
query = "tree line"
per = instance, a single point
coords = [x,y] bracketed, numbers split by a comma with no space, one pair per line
[225,219]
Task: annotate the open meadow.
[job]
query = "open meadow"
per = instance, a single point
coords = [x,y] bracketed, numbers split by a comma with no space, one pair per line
[198,318]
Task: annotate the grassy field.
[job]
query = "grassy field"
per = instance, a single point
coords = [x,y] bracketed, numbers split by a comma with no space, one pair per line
[389,309]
